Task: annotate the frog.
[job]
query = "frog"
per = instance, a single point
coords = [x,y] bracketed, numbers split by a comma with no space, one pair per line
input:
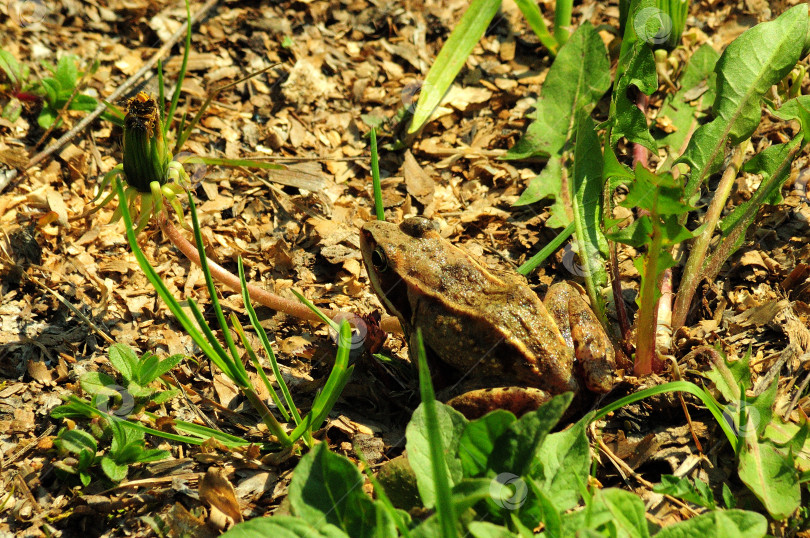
[508,348]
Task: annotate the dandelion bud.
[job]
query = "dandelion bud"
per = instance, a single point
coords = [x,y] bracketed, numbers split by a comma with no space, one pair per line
[146,158]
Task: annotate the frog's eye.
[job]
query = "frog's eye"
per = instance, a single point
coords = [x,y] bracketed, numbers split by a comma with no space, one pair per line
[379,260]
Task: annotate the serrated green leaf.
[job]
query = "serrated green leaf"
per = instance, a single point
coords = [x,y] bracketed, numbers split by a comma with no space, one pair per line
[636,68]
[743,79]
[683,110]
[547,183]
[577,79]
[586,206]
[770,475]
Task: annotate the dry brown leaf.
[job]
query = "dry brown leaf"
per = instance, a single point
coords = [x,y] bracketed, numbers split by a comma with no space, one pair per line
[218,493]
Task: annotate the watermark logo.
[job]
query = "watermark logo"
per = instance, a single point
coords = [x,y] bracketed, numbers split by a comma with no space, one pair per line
[26,12]
[194,167]
[359,330]
[652,25]
[508,491]
[572,261]
[743,418]
[411,92]
[106,402]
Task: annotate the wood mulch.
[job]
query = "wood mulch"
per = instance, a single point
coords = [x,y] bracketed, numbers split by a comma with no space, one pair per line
[69,286]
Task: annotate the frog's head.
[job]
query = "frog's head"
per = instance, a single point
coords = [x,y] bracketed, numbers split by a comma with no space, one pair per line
[390,253]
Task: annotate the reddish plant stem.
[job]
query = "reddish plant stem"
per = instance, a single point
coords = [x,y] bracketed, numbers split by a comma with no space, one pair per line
[259,295]
[646,354]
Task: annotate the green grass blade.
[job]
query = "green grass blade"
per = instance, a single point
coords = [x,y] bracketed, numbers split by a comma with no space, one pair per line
[562,20]
[338,377]
[164,125]
[375,176]
[534,262]
[538,25]
[255,360]
[254,321]
[233,163]
[155,280]
[445,510]
[452,57]
[221,358]
[676,386]
[237,366]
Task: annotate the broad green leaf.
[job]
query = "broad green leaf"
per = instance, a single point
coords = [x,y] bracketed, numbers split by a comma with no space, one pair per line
[327,487]
[51,88]
[11,67]
[627,510]
[586,205]
[164,396]
[452,57]
[46,117]
[83,102]
[576,80]
[783,433]
[479,438]
[282,527]
[76,441]
[114,471]
[67,72]
[517,448]
[719,524]
[152,454]
[746,70]
[124,359]
[769,473]
[485,529]
[99,383]
[565,461]
[451,426]
[145,369]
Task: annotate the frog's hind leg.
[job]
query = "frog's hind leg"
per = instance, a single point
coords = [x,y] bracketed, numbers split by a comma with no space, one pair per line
[581,329]
[519,400]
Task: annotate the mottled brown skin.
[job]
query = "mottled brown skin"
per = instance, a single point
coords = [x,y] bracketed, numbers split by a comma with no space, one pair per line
[492,328]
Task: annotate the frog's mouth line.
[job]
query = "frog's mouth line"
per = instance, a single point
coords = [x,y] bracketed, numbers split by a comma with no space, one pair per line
[392,292]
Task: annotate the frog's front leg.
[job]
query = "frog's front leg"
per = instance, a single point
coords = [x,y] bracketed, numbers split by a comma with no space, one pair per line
[582,331]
